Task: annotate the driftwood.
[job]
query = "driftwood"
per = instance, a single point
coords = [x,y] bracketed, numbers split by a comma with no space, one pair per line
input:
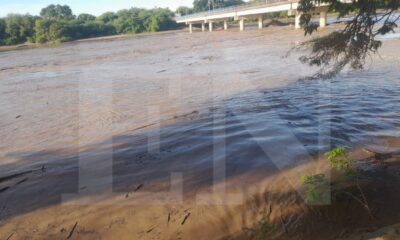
[138,187]
[186,217]
[15,175]
[72,231]
[4,189]
[9,237]
[150,230]
[22,181]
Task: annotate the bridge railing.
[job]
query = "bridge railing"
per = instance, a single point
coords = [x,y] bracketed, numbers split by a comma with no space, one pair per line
[246,6]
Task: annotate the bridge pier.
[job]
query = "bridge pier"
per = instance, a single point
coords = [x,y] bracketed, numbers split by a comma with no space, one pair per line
[256,11]
[241,24]
[297,20]
[322,18]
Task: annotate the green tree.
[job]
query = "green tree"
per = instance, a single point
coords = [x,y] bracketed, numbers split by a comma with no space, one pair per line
[61,31]
[159,20]
[128,21]
[201,5]
[84,17]
[56,12]
[350,45]
[107,17]
[226,3]
[42,27]
[184,10]
[18,28]
[94,29]
[146,17]
[165,19]
[47,30]
[205,5]
[2,31]
[58,24]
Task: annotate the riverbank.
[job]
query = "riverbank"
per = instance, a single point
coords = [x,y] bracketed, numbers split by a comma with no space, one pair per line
[112,37]
[268,23]
[173,123]
[366,208]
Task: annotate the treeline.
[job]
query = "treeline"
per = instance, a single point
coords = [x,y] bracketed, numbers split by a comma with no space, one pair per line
[57,23]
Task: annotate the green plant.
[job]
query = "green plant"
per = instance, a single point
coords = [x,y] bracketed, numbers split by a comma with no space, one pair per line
[339,159]
[317,189]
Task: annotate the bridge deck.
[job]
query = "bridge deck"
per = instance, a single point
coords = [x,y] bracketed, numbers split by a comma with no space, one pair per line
[240,10]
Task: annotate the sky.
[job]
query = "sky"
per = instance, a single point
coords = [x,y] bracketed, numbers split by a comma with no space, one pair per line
[95,7]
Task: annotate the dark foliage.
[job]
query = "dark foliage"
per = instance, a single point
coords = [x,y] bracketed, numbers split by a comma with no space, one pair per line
[350,46]
[58,24]
[184,10]
[205,5]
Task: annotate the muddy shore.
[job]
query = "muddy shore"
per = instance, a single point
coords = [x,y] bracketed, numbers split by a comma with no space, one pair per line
[219,117]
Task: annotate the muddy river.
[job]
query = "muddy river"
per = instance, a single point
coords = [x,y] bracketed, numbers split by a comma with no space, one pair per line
[197,111]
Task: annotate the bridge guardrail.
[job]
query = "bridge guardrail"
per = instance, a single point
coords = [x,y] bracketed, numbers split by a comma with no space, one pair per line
[242,7]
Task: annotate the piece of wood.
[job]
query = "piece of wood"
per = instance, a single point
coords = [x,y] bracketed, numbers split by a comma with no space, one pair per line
[4,189]
[9,237]
[5,178]
[186,217]
[72,231]
[23,180]
[138,187]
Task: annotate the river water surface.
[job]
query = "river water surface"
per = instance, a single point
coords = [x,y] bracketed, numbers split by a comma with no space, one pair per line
[208,106]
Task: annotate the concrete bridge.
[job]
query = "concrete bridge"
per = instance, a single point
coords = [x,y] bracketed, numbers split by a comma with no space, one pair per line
[251,11]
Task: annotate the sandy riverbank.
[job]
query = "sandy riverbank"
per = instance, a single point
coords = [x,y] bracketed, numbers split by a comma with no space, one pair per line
[112,37]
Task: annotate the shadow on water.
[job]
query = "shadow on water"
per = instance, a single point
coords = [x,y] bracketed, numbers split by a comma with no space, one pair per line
[320,114]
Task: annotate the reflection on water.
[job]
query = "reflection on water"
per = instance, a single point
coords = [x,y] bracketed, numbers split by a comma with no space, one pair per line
[345,111]
[256,129]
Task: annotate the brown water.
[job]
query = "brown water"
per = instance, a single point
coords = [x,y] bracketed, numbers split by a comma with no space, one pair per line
[194,104]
